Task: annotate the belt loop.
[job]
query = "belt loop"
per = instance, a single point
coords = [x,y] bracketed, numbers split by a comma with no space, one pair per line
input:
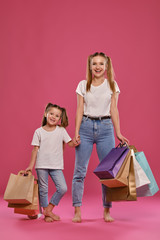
[100,118]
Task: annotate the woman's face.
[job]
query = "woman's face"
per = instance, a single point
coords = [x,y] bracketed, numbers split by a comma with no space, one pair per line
[53,116]
[98,66]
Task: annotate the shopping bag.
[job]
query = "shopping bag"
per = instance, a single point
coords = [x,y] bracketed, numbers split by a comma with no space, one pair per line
[110,165]
[127,193]
[152,187]
[28,209]
[121,178]
[140,176]
[19,188]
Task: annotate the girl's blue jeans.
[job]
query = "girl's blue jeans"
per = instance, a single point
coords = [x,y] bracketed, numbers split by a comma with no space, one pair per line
[100,132]
[59,181]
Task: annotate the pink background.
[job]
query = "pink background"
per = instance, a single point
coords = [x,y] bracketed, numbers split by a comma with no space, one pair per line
[44,46]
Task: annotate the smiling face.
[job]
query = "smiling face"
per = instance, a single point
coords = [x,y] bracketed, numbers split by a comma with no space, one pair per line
[98,66]
[53,116]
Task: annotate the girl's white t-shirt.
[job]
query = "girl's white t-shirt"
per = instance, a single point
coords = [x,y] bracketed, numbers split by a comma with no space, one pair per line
[50,153]
[97,101]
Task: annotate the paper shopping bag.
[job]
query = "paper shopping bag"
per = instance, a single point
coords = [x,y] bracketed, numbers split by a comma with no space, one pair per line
[110,165]
[19,189]
[122,176]
[28,209]
[140,176]
[127,193]
[152,187]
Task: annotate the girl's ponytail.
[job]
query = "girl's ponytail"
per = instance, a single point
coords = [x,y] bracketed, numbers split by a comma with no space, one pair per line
[64,118]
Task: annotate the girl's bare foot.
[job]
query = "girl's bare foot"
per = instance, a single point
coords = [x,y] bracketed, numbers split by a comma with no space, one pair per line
[47,211]
[48,219]
[107,216]
[50,214]
[77,215]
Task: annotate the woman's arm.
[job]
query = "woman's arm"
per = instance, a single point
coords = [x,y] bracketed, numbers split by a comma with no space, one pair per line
[79,115]
[115,118]
[33,158]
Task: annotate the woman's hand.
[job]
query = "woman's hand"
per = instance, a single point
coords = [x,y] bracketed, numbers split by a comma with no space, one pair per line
[122,138]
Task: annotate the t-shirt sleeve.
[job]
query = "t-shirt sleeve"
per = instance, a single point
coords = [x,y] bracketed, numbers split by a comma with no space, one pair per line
[36,139]
[116,87]
[66,137]
[81,88]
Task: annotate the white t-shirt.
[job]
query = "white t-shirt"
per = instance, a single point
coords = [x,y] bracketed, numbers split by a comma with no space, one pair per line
[50,153]
[97,101]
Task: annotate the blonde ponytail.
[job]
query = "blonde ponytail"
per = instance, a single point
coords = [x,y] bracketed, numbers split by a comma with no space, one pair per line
[110,74]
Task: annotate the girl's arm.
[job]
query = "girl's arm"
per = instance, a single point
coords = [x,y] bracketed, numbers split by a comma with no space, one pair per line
[115,118]
[79,115]
[33,158]
[72,143]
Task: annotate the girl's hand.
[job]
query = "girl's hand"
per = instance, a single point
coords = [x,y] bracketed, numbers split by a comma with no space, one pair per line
[29,169]
[122,138]
[76,140]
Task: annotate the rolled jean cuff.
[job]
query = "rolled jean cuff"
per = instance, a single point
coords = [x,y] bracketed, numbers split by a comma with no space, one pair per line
[108,206]
[44,205]
[77,204]
[53,203]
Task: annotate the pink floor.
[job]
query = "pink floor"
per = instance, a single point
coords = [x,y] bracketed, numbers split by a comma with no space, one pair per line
[133,220]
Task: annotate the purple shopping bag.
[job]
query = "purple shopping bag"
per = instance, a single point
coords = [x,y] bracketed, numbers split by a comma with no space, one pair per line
[110,165]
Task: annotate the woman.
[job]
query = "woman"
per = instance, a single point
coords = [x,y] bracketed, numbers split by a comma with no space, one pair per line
[97,113]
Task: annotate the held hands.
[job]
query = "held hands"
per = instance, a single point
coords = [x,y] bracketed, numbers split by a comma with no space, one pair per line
[76,140]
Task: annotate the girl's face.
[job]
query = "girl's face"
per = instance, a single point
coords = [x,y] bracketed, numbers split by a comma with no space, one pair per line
[98,66]
[53,116]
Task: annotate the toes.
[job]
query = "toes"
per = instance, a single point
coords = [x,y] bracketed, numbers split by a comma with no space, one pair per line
[48,219]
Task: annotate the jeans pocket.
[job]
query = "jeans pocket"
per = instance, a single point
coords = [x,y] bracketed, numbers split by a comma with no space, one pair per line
[107,122]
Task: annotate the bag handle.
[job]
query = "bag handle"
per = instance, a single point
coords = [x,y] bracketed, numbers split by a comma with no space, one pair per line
[23,173]
[133,147]
[122,145]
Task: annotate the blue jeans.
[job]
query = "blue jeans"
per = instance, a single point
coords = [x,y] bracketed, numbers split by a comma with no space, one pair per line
[59,181]
[100,132]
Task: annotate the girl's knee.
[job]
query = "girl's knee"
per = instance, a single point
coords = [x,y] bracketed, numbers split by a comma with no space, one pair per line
[63,189]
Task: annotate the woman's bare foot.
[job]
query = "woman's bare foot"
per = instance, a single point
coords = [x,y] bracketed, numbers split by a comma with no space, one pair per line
[77,215]
[107,216]
[48,213]
[48,219]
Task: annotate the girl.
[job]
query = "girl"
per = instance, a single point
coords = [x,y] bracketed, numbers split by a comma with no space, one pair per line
[48,154]
[96,115]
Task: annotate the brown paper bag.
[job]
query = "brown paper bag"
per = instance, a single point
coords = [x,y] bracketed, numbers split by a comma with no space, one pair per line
[31,209]
[122,176]
[127,193]
[19,189]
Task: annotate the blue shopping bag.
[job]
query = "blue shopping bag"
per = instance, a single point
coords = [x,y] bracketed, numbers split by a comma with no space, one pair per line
[152,188]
